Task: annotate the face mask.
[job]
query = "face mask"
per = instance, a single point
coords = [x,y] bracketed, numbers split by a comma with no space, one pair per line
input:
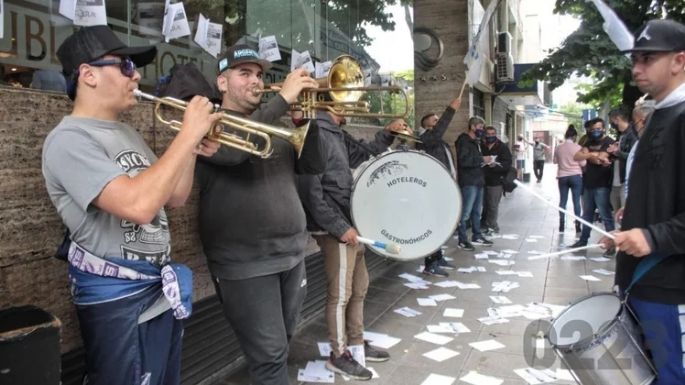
[596,134]
[480,133]
[490,139]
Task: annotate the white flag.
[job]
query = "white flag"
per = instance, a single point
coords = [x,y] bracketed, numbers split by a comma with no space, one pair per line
[476,55]
[614,27]
[67,8]
[208,35]
[301,60]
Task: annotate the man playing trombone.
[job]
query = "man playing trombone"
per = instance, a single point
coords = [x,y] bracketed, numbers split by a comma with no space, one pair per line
[252,225]
[326,198]
[99,176]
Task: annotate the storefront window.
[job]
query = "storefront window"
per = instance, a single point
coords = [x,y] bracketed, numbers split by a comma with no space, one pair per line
[34,29]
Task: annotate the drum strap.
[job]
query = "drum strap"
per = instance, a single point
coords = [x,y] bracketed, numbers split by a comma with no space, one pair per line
[643,267]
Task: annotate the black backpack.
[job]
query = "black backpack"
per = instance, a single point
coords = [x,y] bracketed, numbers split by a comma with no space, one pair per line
[508,184]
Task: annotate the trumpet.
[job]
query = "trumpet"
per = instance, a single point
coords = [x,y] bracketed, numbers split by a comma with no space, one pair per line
[260,145]
[345,86]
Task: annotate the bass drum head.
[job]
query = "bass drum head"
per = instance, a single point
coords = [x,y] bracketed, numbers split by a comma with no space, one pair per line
[407,198]
[584,320]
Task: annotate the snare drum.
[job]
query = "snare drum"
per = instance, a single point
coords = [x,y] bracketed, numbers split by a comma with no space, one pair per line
[600,341]
[408,198]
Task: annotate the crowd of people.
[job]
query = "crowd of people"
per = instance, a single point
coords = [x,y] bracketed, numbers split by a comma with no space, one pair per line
[256,213]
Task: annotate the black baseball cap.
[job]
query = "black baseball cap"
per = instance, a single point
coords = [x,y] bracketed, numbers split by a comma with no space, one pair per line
[91,43]
[239,54]
[659,36]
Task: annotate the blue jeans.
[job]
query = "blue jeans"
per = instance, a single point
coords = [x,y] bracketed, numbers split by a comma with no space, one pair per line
[119,351]
[472,205]
[662,327]
[575,184]
[597,197]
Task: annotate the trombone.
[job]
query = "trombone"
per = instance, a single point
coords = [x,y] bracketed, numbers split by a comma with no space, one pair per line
[262,148]
[345,86]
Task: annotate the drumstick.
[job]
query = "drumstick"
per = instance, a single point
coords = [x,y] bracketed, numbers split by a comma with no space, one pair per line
[594,245]
[391,248]
[581,220]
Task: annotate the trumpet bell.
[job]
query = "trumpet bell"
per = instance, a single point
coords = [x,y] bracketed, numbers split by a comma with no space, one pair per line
[345,73]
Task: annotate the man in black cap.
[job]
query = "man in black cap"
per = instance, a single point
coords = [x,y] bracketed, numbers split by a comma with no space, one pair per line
[100,177]
[252,223]
[651,262]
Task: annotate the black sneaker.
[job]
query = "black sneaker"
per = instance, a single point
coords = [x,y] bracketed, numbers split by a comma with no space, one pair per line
[466,245]
[481,241]
[374,355]
[442,262]
[434,269]
[348,366]
[578,244]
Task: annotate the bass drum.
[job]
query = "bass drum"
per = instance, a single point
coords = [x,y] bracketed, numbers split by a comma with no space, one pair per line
[408,198]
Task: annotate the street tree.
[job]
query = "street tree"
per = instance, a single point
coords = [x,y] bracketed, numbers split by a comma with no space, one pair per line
[589,52]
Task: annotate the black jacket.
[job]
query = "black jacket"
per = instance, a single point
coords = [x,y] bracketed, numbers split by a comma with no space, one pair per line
[469,161]
[432,142]
[326,196]
[251,218]
[626,142]
[656,203]
[495,174]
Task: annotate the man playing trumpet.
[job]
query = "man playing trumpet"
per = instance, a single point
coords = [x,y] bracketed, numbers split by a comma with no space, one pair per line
[99,176]
[252,225]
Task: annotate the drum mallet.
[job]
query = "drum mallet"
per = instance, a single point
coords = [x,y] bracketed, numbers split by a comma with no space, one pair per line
[391,248]
[581,220]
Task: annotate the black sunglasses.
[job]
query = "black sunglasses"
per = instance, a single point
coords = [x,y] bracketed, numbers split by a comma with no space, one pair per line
[126,65]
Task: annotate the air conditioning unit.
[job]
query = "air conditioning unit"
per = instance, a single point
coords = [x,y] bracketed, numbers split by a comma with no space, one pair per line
[504,42]
[504,71]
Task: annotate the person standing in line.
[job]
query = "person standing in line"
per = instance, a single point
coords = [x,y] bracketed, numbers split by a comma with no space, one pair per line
[569,175]
[431,134]
[652,236]
[252,224]
[494,175]
[597,179]
[110,191]
[620,121]
[540,151]
[520,152]
[470,164]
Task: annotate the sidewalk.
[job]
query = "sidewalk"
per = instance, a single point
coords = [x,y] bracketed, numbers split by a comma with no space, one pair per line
[554,281]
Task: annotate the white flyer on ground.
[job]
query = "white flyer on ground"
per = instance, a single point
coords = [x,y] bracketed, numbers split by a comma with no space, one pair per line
[457,327]
[441,354]
[573,258]
[442,297]
[433,338]
[476,378]
[268,48]
[380,340]
[90,12]
[600,259]
[437,379]
[407,312]
[603,272]
[446,284]
[426,302]
[453,312]
[590,278]
[486,345]
[324,349]
[535,376]
[175,22]
[500,299]
[316,371]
